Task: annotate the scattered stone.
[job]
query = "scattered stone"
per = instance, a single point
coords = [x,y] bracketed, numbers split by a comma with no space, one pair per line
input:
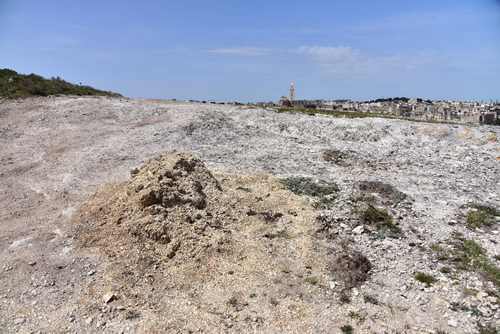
[387,243]
[486,311]
[358,230]
[19,321]
[453,323]
[108,297]
[90,273]
[480,295]
[89,320]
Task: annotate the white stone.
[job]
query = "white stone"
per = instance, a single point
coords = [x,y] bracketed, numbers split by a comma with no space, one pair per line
[387,243]
[480,295]
[108,297]
[358,230]
[453,323]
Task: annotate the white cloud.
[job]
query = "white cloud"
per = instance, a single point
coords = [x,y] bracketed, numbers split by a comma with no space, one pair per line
[241,51]
[306,31]
[350,61]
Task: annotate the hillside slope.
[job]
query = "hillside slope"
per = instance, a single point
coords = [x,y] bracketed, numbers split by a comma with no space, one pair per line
[272,222]
[15,85]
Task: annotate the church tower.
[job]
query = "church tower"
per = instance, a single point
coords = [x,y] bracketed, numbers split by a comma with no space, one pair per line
[292,92]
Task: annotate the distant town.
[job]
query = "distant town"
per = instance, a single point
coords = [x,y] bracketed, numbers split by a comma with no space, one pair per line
[415,108]
[465,112]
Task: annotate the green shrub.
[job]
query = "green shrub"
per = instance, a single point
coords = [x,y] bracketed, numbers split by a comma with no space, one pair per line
[445,270]
[477,219]
[374,215]
[370,300]
[424,278]
[347,329]
[307,186]
[313,280]
[15,85]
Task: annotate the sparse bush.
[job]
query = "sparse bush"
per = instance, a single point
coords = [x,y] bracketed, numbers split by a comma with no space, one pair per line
[353,314]
[307,186]
[425,278]
[313,111]
[347,329]
[486,208]
[486,329]
[375,216]
[445,270]
[481,215]
[334,156]
[313,280]
[370,299]
[362,198]
[380,218]
[385,190]
[477,219]
[344,296]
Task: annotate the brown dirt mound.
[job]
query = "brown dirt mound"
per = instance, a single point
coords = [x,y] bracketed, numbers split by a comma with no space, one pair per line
[236,247]
[170,205]
[350,267]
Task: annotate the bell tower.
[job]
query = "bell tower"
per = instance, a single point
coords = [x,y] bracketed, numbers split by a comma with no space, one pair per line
[292,92]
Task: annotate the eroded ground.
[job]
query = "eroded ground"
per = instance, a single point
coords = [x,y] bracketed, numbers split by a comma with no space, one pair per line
[271,263]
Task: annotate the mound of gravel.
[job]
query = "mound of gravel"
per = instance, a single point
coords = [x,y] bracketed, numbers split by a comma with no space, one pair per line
[172,203]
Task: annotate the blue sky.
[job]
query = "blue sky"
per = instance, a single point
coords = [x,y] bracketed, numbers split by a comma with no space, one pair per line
[249,51]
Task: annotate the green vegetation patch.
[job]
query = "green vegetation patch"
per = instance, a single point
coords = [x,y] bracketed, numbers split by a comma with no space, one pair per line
[310,187]
[313,280]
[481,215]
[347,329]
[376,217]
[487,329]
[14,85]
[370,300]
[427,279]
[334,156]
[335,113]
[468,255]
[384,190]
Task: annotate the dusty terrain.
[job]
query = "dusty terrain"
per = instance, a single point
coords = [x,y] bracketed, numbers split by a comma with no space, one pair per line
[209,241]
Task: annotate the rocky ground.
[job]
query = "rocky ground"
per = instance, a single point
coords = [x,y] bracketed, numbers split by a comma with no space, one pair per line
[272,222]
